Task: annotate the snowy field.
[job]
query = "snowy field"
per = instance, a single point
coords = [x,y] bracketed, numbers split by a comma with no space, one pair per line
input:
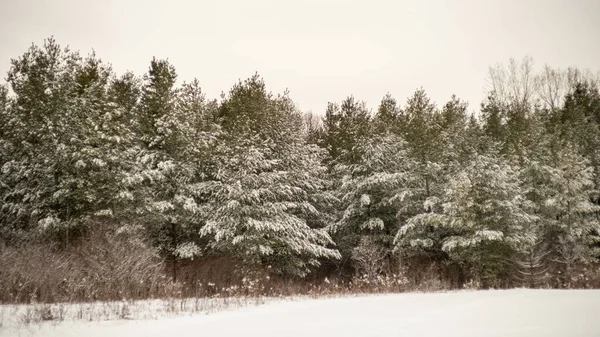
[505,313]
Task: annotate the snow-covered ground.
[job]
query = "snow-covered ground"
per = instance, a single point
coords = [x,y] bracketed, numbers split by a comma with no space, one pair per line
[505,313]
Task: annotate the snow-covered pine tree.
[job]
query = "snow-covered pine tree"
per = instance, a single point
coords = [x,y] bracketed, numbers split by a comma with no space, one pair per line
[195,116]
[485,215]
[532,268]
[493,117]
[98,154]
[266,184]
[533,159]
[176,130]
[579,123]
[532,260]
[6,150]
[389,116]
[38,80]
[570,214]
[153,183]
[124,91]
[423,139]
[371,192]
[64,173]
[344,125]
[559,181]
[423,135]
[452,144]
[456,142]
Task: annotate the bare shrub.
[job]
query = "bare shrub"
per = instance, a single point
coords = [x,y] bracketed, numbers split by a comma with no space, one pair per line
[119,267]
[581,276]
[104,266]
[124,312]
[427,273]
[369,258]
[223,276]
[28,316]
[430,280]
[45,313]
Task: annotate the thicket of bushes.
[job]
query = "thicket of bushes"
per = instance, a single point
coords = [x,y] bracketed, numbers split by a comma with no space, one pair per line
[113,268]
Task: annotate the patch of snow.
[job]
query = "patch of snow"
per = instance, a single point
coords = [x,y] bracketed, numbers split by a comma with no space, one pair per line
[502,313]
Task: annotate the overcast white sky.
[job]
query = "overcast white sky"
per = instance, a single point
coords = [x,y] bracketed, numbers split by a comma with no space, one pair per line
[322,50]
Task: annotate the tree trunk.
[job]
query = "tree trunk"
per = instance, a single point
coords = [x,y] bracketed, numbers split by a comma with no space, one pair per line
[173,255]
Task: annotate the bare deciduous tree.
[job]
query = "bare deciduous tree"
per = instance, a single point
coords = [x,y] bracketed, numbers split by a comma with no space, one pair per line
[552,85]
[313,125]
[513,83]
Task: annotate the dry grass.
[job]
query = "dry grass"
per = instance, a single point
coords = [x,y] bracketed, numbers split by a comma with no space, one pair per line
[25,315]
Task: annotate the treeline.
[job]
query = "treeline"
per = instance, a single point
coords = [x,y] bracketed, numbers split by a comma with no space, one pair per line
[119,168]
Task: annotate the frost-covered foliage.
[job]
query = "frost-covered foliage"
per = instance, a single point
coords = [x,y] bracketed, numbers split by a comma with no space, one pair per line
[345,125]
[559,182]
[69,144]
[177,131]
[432,151]
[568,210]
[260,208]
[5,143]
[266,186]
[484,215]
[507,195]
[372,191]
